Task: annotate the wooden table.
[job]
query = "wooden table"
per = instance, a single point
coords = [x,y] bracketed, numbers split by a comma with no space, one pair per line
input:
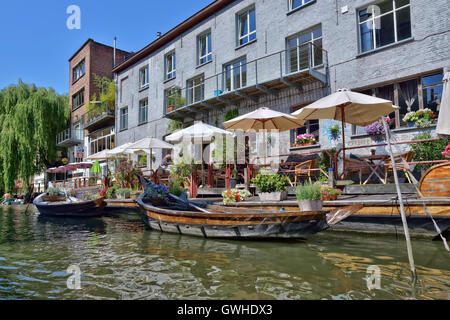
[376,160]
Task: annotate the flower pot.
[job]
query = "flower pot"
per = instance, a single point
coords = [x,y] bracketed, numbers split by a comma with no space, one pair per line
[170,108]
[411,124]
[330,198]
[273,196]
[310,205]
[233,183]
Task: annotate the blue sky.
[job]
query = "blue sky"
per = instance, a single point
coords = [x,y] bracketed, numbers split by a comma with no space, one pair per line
[36,44]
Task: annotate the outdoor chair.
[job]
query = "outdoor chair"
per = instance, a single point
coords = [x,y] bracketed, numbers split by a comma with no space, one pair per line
[401,163]
[303,170]
[353,166]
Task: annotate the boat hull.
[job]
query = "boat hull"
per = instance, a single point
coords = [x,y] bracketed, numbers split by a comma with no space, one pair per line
[85,209]
[234,225]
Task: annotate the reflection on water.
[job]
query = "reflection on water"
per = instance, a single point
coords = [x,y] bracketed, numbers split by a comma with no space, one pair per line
[120,259]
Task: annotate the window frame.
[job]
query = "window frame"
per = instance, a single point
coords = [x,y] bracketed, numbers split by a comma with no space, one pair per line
[141,112]
[249,33]
[172,74]
[242,62]
[312,54]
[76,95]
[373,19]
[146,70]
[304,3]
[123,127]
[81,63]
[208,56]
[190,89]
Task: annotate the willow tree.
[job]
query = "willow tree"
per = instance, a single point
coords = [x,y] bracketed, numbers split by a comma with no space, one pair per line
[30,119]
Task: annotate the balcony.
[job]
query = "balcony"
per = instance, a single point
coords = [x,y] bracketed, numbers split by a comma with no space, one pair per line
[294,68]
[70,138]
[100,117]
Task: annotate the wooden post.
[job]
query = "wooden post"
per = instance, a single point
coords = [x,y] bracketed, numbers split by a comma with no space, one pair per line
[228,176]
[210,176]
[193,187]
[400,200]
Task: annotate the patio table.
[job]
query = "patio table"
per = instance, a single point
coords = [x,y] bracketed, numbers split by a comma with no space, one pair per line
[376,161]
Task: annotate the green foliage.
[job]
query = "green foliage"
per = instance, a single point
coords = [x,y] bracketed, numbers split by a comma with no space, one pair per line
[271,182]
[123,191]
[176,189]
[53,192]
[30,119]
[174,125]
[427,151]
[126,177]
[107,95]
[180,173]
[231,114]
[325,162]
[143,160]
[112,191]
[309,191]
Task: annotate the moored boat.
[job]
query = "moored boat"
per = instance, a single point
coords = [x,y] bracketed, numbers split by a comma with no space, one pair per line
[62,206]
[216,221]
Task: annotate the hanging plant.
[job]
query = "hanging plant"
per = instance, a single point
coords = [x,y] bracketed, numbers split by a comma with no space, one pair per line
[334,131]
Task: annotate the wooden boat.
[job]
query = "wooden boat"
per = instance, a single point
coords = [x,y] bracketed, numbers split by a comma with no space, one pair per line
[238,223]
[124,205]
[435,182]
[66,207]
[380,214]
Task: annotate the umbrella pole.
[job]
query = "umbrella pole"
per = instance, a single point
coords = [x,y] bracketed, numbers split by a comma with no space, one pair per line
[400,199]
[343,136]
[203,175]
[265,144]
[151,159]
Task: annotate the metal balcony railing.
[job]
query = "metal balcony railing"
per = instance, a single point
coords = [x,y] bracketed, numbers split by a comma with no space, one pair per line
[70,137]
[99,114]
[292,67]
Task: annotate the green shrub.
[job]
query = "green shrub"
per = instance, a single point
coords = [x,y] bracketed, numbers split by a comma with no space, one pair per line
[427,151]
[309,191]
[123,191]
[53,192]
[271,182]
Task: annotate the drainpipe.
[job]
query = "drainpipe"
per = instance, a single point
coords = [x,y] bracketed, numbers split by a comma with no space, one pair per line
[114,58]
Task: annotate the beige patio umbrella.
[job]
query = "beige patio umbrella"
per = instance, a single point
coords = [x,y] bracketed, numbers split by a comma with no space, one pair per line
[359,109]
[147,145]
[348,107]
[264,119]
[443,125]
[102,155]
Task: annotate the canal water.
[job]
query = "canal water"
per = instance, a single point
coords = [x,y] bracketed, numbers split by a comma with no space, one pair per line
[120,259]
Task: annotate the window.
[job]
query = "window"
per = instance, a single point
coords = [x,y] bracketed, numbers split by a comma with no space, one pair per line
[78,71]
[246,27]
[384,23]
[204,48]
[173,98]
[432,91]
[144,77]
[143,111]
[78,99]
[294,4]
[171,69]
[310,127]
[305,50]
[195,90]
[124,118]
[102,140]
[235,75]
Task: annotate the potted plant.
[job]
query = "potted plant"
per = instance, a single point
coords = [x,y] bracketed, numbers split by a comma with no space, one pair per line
[233,180]
[309,197]
[157,195]
[305,140]
[329,193]
[446,153]
[335,131]
[123,193]
[175,188]
[53,194]
[167,161]
[235,195]
[421,118]
[271,187]
[410,119]
[377,128]
[143,161]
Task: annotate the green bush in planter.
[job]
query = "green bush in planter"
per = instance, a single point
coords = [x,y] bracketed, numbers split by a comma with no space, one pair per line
[267,183]
[309,191]
[53,192]
[123,191]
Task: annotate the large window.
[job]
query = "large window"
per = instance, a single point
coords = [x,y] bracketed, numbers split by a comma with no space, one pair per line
[384,23]
[246,27]
[78,71]
[78,99]
[171,66]
[294,4]
[204,48]
[432,91]
[173,98]
[124,118]
[143,111]
[144,77]
[195,90]
[235,75]
[102,140]
[305,50]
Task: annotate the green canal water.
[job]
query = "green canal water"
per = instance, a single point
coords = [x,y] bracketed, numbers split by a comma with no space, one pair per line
[120,259]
